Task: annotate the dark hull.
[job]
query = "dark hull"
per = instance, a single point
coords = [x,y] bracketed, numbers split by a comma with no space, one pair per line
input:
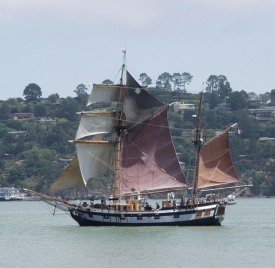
[176,217]
[201,222]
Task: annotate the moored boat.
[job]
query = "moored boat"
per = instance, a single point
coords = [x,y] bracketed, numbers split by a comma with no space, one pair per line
[10,194]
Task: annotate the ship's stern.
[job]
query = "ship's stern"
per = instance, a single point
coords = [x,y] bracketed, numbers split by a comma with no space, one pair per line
[219,214]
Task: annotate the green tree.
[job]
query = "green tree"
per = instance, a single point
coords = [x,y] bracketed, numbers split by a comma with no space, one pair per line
[264,97]
[81,93]
[40,110]
[186,79]
[249,128]
[237,101]
[163,81]
[68,109]
[269,189]
[41,164]
[19,148]
[12,101]
[212,98]
[53,98]
[224,88]
[108,82]
[28,108]
[4,111]
[258,179]
[16,174]
[177,80]
[14,104]
[32,93]
[212,84]
[145,79]
[252,96]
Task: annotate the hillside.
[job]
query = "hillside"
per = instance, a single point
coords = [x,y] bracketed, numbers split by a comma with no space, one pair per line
[34,138]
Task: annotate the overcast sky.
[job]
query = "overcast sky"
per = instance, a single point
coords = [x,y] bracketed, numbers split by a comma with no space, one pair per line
[59,44]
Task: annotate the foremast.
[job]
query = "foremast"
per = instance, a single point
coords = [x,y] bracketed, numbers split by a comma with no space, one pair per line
[198,145]
[119,128]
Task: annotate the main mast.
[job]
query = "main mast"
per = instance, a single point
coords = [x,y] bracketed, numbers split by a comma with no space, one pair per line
[119,130]
[198,144]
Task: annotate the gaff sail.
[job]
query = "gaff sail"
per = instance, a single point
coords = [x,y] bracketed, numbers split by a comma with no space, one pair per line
[215,163]
[149,161]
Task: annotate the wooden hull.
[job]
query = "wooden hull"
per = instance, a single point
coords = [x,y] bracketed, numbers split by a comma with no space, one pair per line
[200,216]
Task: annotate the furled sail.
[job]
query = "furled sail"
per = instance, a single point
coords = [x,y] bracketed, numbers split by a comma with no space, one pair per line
[215,163]
[149,161]
[69,178]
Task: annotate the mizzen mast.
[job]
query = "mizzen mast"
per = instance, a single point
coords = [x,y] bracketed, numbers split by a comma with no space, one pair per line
[198,144]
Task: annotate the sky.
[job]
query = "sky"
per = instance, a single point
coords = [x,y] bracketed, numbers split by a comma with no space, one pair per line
[59,44]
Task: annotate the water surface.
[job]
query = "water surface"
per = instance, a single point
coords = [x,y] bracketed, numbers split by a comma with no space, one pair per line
[31,237]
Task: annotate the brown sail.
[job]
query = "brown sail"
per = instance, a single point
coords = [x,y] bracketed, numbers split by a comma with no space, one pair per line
[215,163]
[149,161]
[148,158]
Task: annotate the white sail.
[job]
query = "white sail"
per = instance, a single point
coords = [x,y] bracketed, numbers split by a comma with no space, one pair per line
[94,159]
[95,123]
[103,93]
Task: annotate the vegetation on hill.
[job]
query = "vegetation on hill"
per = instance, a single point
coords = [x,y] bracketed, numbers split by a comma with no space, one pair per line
[34,131]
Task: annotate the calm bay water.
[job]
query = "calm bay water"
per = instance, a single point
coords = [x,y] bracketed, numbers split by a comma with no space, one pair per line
[31,237]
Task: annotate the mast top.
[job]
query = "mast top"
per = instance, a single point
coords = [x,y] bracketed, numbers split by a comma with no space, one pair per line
[123,65]
[124,51]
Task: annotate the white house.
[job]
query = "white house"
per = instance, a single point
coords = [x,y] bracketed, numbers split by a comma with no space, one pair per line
[182,106]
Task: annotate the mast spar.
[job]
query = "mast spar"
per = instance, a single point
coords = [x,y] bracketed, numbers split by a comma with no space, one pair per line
[198,144]
[123,66]
[119,129]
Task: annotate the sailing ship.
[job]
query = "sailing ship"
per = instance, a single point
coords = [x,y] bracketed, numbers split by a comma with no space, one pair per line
[133,145]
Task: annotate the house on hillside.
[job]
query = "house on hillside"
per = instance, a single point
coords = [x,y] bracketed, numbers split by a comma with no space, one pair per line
[178,106]
[20,116]
[264,113]
[264,139]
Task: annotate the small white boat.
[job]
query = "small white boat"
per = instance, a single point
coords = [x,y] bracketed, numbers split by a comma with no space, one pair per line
[230,199]
[10,194]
